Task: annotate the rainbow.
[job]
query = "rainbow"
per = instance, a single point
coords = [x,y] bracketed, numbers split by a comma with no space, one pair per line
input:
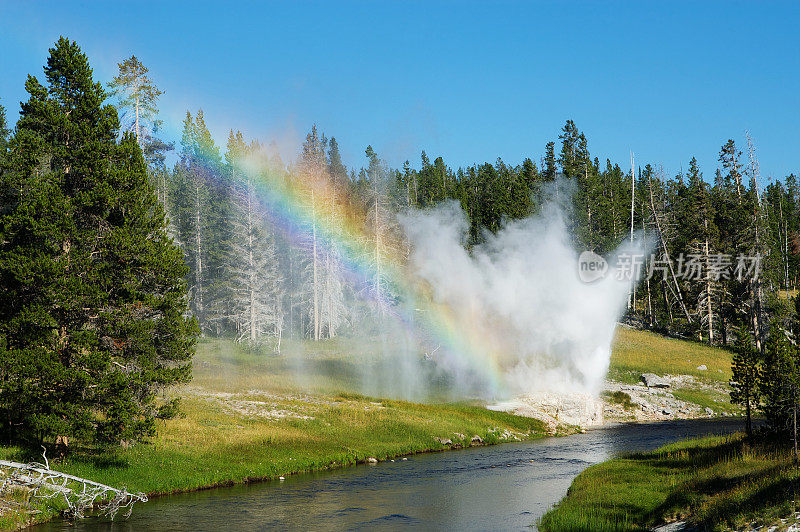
[294,206]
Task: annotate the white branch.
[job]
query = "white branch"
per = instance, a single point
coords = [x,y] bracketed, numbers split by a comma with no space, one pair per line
[80,494]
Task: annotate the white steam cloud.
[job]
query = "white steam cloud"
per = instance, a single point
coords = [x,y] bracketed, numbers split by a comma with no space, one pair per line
[519,299]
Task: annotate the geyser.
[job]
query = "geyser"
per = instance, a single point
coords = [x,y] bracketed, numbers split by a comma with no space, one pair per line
[518,299]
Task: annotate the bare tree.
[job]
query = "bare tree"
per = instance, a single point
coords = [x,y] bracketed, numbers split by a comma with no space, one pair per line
[257,283]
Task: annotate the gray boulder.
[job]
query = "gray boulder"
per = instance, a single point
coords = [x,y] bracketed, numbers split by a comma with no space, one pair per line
[651,380]
[476,440]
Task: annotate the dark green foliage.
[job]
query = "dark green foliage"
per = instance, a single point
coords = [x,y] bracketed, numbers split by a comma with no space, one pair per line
[93,312]
[4,130]
[779,379]
[201,203]
[745,381]
[620,398]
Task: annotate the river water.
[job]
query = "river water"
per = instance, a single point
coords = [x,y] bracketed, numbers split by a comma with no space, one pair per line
[502,487]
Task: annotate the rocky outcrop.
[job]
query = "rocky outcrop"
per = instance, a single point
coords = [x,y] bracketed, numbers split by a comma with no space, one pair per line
[658,404]
[556,409]
[651,380]
[652,400]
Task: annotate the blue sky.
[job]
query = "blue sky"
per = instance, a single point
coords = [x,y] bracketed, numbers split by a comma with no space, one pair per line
[468,81]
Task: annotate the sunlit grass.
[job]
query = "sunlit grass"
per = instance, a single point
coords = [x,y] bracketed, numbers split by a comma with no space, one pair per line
[635,352]
[330,424]
[17,510]
[787,294]
[718,481]
[317,427]
[708,398]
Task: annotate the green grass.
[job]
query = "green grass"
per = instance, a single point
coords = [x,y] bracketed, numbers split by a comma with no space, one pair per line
[634,352]
[17,510]
[718,481]
[620,398]
[705,398]
[222,438]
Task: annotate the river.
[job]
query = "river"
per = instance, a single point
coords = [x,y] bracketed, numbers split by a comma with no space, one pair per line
[502,487]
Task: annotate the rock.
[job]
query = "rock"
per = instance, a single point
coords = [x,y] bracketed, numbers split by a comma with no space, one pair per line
[372,460]
[666,411]
[556,409]
[709,411]
[281,478]
[651,380]
[675,526]
[444,441]
[702,367]
[404,459]
[477,440]
[459,436]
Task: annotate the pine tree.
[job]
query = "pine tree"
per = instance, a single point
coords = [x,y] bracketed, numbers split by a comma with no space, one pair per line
[191,199]
[569,158]
[137,105]
[92,300]
[729,157]
[381,224]
[778,381]
[5,192]
[336,168]
[744,384]
[138,98]
[703,238]
[549,164]
[4,131]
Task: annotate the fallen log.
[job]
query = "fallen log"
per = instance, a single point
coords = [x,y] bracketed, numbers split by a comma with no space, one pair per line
[80,495]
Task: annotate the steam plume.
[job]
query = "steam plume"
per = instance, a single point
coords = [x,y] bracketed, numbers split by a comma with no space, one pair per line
[519,295]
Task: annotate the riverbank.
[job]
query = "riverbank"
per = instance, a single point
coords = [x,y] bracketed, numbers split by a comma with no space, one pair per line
[244,419]
[714,483]
[209,447]
[250,416]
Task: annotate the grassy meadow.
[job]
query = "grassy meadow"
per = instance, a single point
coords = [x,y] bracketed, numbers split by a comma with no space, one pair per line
[717,482]
[251,415]
[636,352]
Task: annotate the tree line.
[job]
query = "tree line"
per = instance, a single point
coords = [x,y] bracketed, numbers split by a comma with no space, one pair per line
[112,262]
